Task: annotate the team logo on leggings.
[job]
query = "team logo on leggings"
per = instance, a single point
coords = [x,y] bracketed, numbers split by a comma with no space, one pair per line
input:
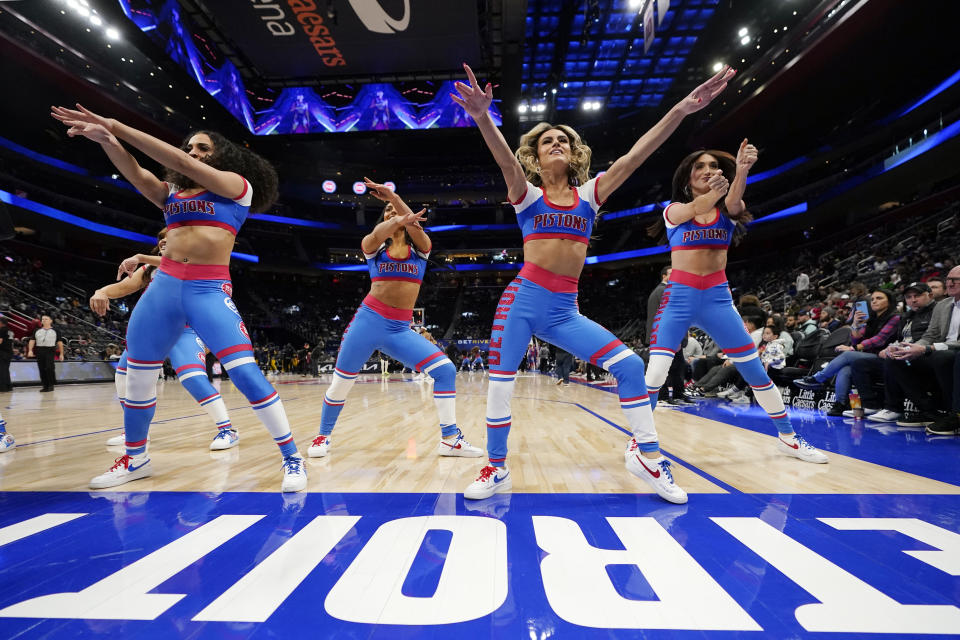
[230,305]
[227,288]
[243,329]
[201,357]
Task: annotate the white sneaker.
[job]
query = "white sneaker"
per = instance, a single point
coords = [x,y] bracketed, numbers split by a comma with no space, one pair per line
[319,447]
[225,439]
[119,441]
[657,474]
[729,391]
[459,447]
[294,474]
[849,413]
[802,449]
[6,442]
[884,415]
[125,469]
[490,481]
[739,398]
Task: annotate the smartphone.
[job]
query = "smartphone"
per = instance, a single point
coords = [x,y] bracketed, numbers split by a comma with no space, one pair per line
[861,307]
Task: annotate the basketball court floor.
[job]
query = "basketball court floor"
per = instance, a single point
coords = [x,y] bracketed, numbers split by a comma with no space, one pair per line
[383,545]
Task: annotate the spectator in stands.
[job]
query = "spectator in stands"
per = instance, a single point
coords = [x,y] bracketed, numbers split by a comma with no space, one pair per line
[790,322]
[828,319]
[563,365]
[6,355]
[937,289]
[932,360]
[46,344]
[803,284]
[750,306]
[866,372]
[805,324]
[870,335]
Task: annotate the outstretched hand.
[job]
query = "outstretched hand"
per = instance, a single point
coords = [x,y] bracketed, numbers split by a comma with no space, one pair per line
[379,191]
[99,303]
[413,219]
[746,155]
[472,98]
[128,267]
[706,92]
[80,115]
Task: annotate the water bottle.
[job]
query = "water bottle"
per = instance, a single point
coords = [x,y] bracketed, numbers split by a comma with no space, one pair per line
[855,405]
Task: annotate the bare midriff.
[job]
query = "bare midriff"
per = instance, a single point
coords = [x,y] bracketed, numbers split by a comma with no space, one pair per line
[556,255]
[700,262]
[402,295]
[199,245]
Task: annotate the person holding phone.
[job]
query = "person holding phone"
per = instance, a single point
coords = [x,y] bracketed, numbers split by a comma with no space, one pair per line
[871,333]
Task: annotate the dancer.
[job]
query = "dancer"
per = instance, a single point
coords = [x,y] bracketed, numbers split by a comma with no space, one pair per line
[210,186]
[708,189]
[556,204]
[6,440]
[396,251]
[187,356]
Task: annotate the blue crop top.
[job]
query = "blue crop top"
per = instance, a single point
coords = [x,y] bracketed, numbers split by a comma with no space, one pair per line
[688,235]
[206,209]
[539,218]
[383,266]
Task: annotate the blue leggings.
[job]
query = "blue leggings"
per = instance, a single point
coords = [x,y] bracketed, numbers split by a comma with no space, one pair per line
[198,295]
[377,326]
[842,368]
[544,304]
[705,301]
[190,362]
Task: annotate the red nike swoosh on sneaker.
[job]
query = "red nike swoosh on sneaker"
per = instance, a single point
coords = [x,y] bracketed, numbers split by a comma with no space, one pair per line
[655,475]
[792,446]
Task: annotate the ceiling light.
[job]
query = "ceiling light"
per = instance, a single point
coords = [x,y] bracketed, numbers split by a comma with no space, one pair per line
[742,32]
[96,21]
[717,66]
[553,91]
[635,4]
[745,40]
[112,33]
[522,108]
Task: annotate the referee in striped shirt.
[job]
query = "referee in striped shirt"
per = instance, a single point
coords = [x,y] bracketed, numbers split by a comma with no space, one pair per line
[45,343]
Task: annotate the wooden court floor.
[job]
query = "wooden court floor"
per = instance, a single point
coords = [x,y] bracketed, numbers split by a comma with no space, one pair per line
[563,440]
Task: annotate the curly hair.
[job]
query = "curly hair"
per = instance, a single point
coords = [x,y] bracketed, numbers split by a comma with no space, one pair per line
[228,156]
[579,170]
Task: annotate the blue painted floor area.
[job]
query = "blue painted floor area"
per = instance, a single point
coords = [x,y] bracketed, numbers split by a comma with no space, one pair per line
[512,566]
[906,449]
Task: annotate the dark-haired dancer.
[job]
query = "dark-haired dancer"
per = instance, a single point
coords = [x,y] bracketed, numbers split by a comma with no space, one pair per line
[187,356]
[556,202]
[708,189]
[396,251]
[210,186]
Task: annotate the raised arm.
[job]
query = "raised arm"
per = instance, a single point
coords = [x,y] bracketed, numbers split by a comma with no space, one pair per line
[223,183]
[476,101]
[149,185]
[129,265]
[746,157]
[626,164]
[406,218]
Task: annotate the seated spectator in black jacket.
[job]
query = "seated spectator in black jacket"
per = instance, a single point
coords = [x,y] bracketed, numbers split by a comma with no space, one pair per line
[867,372]
[870,335]
[932,361]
